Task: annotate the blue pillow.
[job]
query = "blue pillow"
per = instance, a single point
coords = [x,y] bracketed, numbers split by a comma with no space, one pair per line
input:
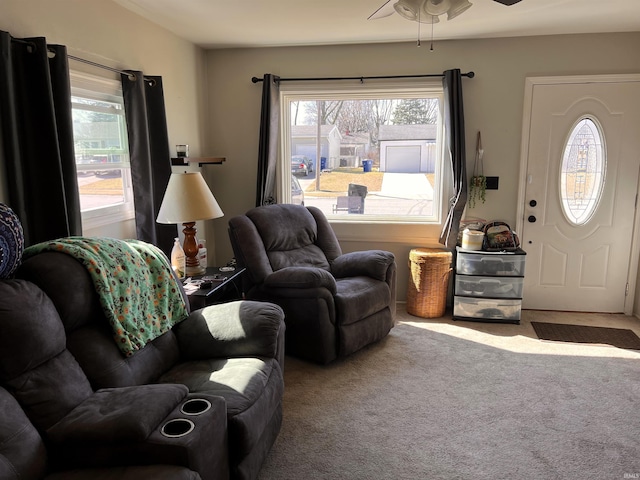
[11,241]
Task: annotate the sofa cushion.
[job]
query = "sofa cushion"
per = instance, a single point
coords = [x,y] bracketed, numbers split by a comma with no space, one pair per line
[106,366]
[293,245]
[31,329]
[135,284]
[22,451]
[89,336]
[239,380]
[75,298]
[33,358]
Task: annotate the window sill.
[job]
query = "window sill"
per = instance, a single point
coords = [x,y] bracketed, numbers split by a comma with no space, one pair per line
[96,221]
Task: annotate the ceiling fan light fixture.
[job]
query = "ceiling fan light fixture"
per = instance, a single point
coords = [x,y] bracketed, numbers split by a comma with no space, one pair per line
[436,7]
[458,7]
[408,9]
[425,18]
[508,3]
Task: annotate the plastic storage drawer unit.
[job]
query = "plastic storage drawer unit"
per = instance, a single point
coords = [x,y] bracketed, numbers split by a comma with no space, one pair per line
[487,309]
[485,263]
[493,287]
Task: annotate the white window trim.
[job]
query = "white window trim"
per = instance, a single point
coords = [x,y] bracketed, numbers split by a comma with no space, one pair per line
[87,85]
[308,91]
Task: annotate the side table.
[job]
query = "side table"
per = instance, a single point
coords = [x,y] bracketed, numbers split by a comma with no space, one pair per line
[225,287]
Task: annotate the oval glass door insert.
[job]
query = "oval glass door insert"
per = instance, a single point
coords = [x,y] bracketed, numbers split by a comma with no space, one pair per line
[582,171]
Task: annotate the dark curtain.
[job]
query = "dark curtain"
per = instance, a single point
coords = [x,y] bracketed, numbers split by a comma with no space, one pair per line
[150,155]
[36,140]
[454,142]
[268,147]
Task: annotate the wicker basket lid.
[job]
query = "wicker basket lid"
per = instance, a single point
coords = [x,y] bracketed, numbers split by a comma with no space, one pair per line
[438,253]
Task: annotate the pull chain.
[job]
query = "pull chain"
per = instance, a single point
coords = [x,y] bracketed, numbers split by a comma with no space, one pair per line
[431,49]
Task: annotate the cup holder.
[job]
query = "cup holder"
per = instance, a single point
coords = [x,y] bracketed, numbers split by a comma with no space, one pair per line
[195,406]
[178,427]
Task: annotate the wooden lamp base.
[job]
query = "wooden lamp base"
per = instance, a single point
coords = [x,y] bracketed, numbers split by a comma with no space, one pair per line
[191,249]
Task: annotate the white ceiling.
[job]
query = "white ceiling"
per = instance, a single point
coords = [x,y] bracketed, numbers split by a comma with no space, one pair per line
[261,23]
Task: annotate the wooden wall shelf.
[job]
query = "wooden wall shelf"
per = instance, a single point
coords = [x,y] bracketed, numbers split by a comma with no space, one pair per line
[181,161]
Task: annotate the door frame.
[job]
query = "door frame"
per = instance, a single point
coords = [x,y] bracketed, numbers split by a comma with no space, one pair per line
[530,83]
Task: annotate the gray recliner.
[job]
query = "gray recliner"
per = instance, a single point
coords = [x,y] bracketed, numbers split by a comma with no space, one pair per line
[334,303]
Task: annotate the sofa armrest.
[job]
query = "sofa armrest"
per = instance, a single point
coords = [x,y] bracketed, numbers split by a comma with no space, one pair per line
[301,277]
[369,263]
[144,425]
[127,414]
[235,329]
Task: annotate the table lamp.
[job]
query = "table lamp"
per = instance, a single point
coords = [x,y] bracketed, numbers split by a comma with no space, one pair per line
[186,200]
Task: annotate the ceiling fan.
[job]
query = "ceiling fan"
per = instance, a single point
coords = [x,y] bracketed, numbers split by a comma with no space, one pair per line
[427,11]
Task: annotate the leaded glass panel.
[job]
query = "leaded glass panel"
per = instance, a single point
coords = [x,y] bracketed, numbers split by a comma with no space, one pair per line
[582,172]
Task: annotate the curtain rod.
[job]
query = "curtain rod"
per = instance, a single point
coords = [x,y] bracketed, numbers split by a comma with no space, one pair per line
[99,65]
[130,75]
[362,79]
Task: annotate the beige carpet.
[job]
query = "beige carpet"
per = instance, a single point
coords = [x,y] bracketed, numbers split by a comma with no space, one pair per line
[442,399]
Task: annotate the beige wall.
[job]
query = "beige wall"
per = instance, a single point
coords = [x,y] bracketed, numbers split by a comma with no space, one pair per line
[493,102]
[104,32]
[213,106]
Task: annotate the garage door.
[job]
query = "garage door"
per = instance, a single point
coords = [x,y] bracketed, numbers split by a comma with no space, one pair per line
[403,159]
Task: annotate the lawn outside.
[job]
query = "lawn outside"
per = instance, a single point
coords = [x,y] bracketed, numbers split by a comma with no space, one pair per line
[106,186]
[336,182]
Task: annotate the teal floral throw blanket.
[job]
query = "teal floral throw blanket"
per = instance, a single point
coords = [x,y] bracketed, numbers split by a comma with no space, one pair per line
[138,293]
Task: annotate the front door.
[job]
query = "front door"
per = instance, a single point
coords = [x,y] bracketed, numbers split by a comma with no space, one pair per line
[578,193]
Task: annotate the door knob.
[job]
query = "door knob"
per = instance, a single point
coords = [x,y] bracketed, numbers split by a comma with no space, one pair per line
[532,219]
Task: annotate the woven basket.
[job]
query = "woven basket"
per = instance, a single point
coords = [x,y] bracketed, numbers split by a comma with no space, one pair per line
[429,272]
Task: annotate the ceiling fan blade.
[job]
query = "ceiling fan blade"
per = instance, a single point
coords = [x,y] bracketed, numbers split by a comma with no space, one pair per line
[507,2]
[384,11]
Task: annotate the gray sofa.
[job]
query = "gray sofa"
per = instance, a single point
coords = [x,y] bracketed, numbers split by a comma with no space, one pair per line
[334,303]
[24,455]
[96,408]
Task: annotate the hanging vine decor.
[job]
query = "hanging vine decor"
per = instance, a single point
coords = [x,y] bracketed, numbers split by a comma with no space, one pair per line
[478,183]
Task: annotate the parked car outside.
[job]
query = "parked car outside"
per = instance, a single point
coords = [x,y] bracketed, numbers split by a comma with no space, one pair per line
[297,194]
[301,165]
[308,161]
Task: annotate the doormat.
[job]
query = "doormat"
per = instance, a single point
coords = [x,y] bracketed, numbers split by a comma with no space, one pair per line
[617,337]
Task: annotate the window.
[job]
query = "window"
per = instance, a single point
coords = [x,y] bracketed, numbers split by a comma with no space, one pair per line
[101,149]
[582,172]
[365,153]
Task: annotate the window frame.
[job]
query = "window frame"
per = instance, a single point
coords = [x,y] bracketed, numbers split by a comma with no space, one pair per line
[408,89]
[85,85]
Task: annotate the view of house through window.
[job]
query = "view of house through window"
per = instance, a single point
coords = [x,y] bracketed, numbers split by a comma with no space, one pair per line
[101,148]
[374,156]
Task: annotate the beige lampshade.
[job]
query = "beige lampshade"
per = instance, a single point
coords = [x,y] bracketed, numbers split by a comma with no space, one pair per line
[188,199]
